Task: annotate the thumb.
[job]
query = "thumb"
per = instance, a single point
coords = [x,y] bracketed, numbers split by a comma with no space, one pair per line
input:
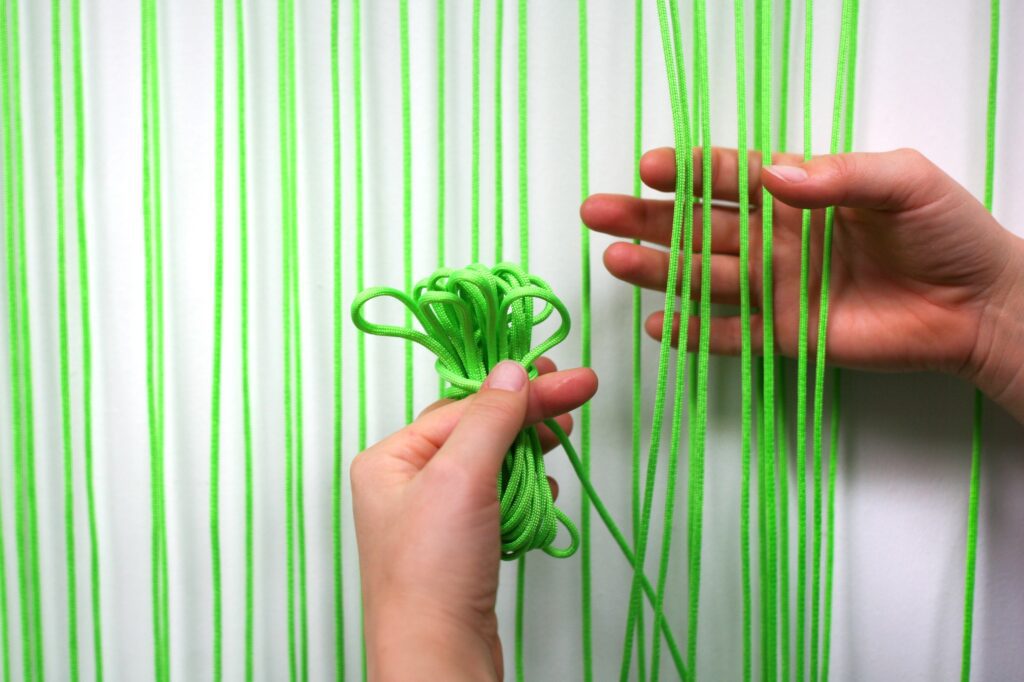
[486,430]
[887,181]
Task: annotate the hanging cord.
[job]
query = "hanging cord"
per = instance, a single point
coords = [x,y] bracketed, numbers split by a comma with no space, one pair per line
[636,605]
[682,224]
[246,383]
[746,409]
[337,496]
[499,157]
[218,343]
[78,94]
[586,616]
[153,221]
[803,358]
[473,319]
[360,239]
[442,146]
[475,163]
[971,552]
[57,51]
[26,517]
[403,21]
[524,262]
[843,102]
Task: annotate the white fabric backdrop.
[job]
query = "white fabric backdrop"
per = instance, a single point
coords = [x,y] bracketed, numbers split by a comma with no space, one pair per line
[905,443]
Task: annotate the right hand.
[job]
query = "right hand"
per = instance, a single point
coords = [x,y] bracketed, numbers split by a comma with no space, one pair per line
[923,277]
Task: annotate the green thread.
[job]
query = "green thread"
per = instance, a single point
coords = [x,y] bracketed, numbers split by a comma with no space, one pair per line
[403,20]
[971,553]
[64,343]
[472,319]
[218,342]
[442,146]
[746,421]
[586,615]
[499,171]
[337,496]
[78,95]
[475,163]
[636,605]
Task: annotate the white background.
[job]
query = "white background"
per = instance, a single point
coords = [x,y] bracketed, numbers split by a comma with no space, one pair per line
[905,439]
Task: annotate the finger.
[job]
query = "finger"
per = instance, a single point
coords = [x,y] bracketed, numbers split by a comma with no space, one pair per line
[902,179]
[545,365]
[550,395]
[436,405]
[651,220]
[477,445]
[548,440]
[658,171]
[725,333]
[648,268]
[554,488]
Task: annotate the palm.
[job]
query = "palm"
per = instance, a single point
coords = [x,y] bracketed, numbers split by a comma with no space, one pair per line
[907,290]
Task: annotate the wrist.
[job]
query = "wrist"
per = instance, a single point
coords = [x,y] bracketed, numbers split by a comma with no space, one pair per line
[409,640]
[997,362]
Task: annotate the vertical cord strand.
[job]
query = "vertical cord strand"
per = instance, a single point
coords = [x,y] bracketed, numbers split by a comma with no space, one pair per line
[847,42]
[522,58]
[78,90]
[68,449]
[971,552]
[246,383]
[636,605]
[585,341]
[218,342]
[475,162]
[746,409]
[499,158]
[337,493]
[406,84]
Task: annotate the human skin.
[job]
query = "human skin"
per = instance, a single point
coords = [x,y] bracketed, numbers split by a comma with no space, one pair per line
[923,277]
[427,524]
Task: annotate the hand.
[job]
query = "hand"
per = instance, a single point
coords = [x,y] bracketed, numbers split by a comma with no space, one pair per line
[427,523]
[923,277]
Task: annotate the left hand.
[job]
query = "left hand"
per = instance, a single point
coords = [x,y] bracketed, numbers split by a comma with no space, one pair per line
[427,523]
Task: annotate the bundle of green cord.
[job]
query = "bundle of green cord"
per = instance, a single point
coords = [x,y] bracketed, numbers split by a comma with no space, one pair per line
[472,319]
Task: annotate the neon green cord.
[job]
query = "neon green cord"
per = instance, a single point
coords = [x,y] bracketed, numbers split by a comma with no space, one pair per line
[337,497]
[746,408]
[499,157]
[403,21]
[472,319]
[218,343]
[247,428]
[636,605]
[843,103]
[971,557]
[586,616]
[475,164]
[65,355]
[78,86]
[442,146]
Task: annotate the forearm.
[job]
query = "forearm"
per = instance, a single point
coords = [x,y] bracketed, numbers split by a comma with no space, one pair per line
[997,367]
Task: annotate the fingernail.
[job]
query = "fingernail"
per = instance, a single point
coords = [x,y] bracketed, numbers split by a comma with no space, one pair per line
[507,376]
[787,173]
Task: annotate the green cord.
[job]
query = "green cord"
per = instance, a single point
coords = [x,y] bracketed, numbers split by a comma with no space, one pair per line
[475,164]
[472,319]
[153,223]
[403,21]
[843,93]
[522,57]
[680,245]
[746,421]
[337,497]
[524,176]
[499,162]
[218,343]
[636,605]
[971,553]
[803,357]
[246,383]
[586,616]
[442,146]
[65,359]
[360,239]
[78,89]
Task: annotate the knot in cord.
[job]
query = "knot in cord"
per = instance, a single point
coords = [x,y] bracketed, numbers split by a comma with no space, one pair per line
[472,319]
